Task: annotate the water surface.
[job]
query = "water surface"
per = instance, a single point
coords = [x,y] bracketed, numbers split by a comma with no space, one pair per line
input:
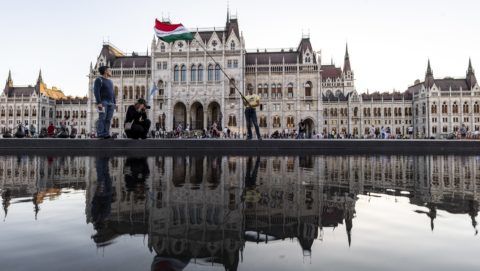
[239,213]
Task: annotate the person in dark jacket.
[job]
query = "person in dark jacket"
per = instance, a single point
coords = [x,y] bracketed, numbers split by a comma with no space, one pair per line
[105,101]
[141,125]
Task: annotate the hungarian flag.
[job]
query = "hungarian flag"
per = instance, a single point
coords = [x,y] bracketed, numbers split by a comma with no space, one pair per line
[172,32]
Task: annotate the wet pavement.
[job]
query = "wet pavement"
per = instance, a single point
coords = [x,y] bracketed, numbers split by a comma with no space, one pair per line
[207,212]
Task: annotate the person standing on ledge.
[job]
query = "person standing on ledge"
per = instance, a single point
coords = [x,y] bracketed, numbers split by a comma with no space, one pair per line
[251,102]
[105,100]
[136,123]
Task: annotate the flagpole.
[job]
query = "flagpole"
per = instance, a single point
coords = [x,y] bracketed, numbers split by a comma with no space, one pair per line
[224,73]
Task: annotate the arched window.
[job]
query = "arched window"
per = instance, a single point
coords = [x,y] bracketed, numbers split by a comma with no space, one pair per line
[130,92]
[308,89]
[176,71]
[193,73]
[183,75]
[34,112]
[50,113]
[217,72]
[3,112]
[434,108]
[137,92]
[19,112]
[279,91]
[26,112]
[161,88]
[260,89]
[43,112]
[355,112]
[232,121]
[274,91]
[200,73]
[265,91]
[143,93]
[444,108]
[210,72]
[291,121]
[466,108]
[455,108]
[424,109]
[263,122]
[232,87]
[162,48]
[290,90]
[476,108]
[125,91]
[276,122]
[116,92]
[232,45]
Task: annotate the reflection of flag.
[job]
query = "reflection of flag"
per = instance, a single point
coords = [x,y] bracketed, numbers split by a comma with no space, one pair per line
[172,32]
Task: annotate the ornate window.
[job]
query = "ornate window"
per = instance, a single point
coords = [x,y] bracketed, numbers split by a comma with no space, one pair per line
[176,71]
[291,121]
[276,122]
[162,48]
[161,88]
[210,72]
[466,108]
[200,73]
[26,112]
[455,108]
[143,92]
[137,92]
[308,89]
[434,108]
[355,112]
[3,112]
[125,92]
[476,108]
[444,108]
[183,74]
[217,72]
[265,91]
[232,121]
[232,87]
[232,45]
[130,92]
[193,73]
[290,90]
[263,122]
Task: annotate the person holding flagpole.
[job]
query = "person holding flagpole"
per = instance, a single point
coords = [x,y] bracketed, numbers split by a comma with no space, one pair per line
[251,102]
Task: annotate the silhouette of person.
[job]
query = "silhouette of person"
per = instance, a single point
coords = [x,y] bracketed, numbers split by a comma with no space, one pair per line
[136,173]
[102,199]
[251,175]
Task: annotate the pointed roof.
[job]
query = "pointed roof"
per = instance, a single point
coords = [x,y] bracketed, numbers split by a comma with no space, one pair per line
[346,64]
[429,80]
[471,78]
[9,82]
[40,78]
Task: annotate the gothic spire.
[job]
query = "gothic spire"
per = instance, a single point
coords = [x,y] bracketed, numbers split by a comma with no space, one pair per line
[429,80]
[346,65]
[40,78]
[471,79]
[9,79]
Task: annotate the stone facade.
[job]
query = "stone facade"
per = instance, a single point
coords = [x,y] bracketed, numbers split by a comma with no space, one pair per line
[39,106]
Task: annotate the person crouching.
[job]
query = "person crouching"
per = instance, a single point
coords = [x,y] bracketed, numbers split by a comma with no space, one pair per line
[136,123]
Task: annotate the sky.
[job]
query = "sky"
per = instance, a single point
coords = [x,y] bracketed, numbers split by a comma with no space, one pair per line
[389,41]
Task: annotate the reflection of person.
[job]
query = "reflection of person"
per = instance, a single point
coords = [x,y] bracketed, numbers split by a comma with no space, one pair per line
[102,199]
[136,173]
[141,125]
[251,114]
[251,175]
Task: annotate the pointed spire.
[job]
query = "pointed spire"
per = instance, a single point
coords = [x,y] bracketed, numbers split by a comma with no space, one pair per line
[471,78]
[429,80]
[429,69]
[40,78]
[9,82]
[470,68]
[346,64]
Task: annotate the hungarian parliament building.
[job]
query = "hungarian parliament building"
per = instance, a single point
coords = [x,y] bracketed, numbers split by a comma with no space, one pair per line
[184,86]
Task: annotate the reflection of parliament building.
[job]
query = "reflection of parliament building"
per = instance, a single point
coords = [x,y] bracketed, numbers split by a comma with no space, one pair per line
[207,208]
[293,83]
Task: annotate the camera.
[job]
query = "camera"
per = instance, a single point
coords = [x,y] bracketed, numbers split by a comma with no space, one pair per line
[147,107]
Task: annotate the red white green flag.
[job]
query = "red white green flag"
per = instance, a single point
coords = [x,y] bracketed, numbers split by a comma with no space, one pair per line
[172,32]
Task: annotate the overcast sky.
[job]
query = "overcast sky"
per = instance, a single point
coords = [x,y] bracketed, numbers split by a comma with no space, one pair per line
[389,41]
